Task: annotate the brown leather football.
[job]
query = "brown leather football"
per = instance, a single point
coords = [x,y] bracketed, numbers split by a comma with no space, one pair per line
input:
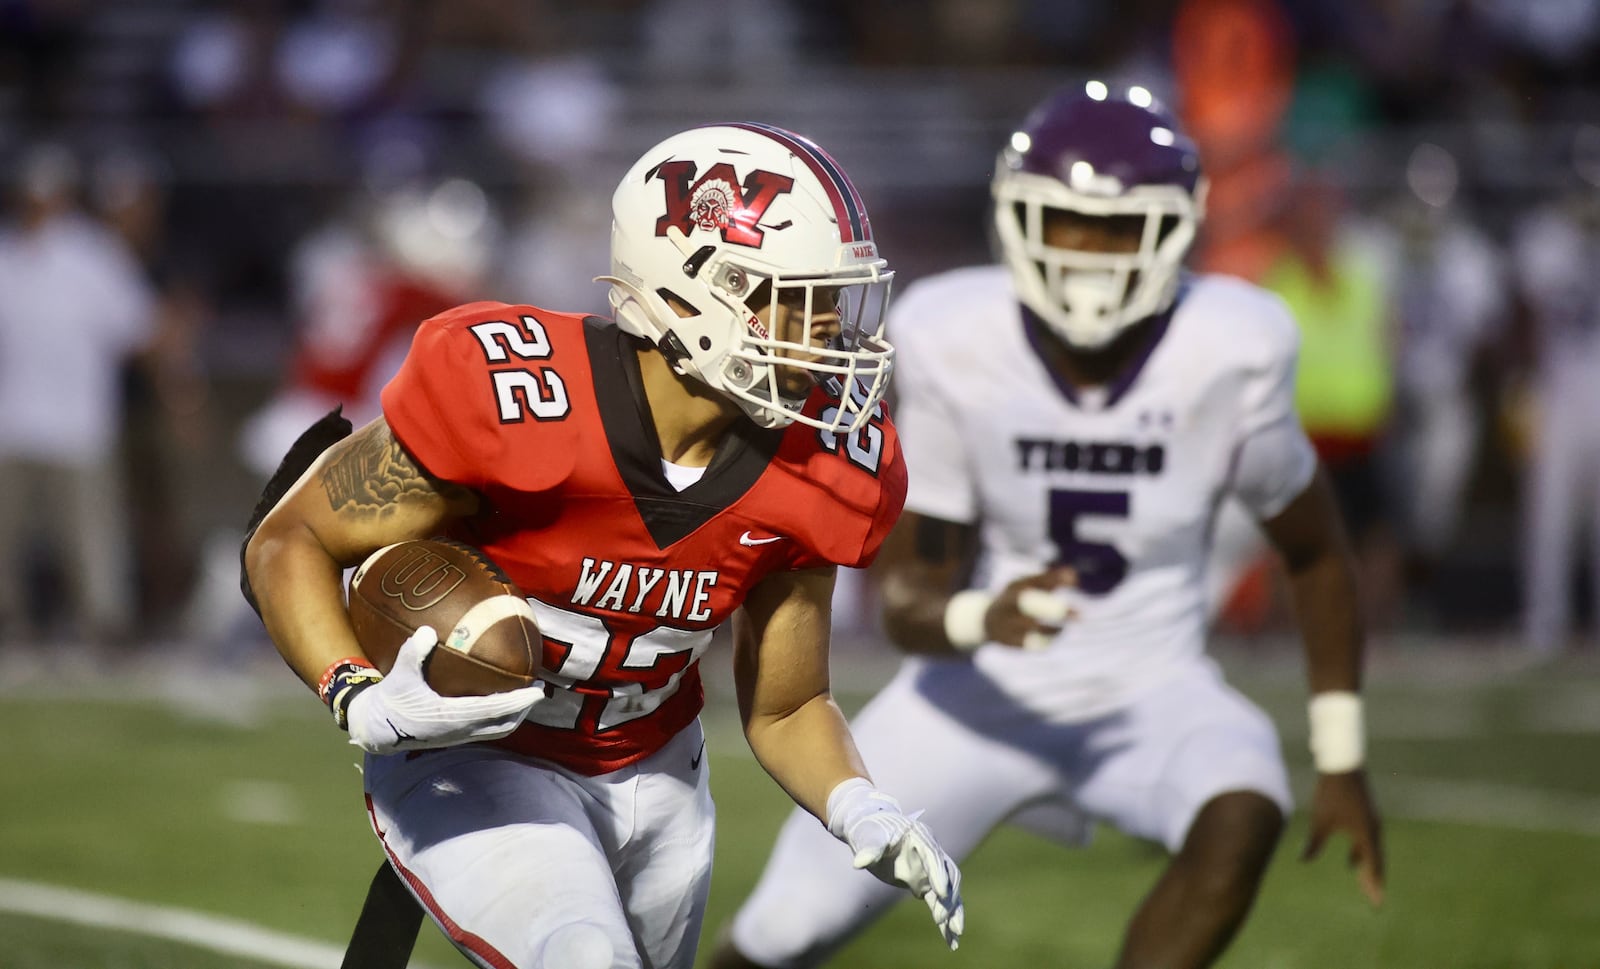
[488,637]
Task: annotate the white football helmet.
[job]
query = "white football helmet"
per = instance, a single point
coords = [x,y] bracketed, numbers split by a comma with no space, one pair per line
[1103,154]
[721,219]
[446,232]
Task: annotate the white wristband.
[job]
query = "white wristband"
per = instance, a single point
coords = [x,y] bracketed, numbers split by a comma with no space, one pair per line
[1338,732]
[963,619]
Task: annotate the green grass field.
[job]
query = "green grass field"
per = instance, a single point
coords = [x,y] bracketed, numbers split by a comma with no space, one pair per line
[234,798]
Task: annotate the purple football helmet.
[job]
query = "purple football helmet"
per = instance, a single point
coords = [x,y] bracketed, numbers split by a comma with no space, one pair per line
[1100,153]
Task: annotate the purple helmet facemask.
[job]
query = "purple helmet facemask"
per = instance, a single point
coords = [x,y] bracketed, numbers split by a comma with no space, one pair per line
[1106,156]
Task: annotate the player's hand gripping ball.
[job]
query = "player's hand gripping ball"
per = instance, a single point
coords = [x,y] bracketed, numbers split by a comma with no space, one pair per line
[488,636]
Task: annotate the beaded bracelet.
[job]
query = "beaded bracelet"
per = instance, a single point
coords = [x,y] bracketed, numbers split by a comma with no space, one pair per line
[341,682]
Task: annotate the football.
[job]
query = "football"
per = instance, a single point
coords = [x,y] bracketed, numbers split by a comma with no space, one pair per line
[488,636]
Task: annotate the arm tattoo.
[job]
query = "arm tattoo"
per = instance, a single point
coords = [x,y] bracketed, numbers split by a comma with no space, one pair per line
[374,472]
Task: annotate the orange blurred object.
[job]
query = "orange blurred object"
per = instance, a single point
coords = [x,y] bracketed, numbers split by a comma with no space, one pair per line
[1235,67]
[1235,64]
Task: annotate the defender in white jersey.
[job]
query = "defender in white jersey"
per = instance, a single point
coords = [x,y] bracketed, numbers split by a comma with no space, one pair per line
[1071,422]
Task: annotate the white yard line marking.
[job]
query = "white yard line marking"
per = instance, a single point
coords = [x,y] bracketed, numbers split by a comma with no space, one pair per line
[1489,805]
[215,933]
[1481,804]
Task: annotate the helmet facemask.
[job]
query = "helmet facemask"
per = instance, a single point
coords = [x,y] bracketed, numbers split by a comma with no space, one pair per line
[1089,298]
[798,332]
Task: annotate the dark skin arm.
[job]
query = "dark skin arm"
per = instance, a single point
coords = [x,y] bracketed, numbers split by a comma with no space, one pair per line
[927,560]
[1310,537]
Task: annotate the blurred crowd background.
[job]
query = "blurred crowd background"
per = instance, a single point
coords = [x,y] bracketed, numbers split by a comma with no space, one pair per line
[223,217]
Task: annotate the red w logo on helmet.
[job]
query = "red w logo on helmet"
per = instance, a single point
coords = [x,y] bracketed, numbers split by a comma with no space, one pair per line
[716,200]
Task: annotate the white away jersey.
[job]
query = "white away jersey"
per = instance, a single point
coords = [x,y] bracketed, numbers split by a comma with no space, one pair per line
[1120,482]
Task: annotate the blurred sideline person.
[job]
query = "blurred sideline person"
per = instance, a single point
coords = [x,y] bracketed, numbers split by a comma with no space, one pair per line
[166,390]
[360,284]
[359,292]
[1337,277]
[715,454]
[1048,571]
[1554,250]
[1450,303]
[74,309]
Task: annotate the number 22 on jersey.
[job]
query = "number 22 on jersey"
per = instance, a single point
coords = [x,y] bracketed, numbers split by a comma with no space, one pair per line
[522,391]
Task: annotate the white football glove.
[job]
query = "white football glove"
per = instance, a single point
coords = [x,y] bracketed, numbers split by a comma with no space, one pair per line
[402,712]
[899,850]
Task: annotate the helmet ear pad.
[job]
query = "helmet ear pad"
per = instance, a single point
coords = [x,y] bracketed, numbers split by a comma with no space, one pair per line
[691,342]
[705,219]
[697,325]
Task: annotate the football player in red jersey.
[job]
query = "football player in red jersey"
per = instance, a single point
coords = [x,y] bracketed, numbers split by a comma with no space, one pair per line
[715,454]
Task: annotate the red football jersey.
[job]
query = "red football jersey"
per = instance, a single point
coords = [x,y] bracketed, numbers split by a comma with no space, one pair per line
[370,324]
[544,415]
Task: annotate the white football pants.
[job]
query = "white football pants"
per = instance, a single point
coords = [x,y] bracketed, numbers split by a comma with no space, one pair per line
[1147,769]
[525,865]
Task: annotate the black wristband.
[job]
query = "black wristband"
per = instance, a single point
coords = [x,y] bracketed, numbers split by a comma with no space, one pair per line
[343,682]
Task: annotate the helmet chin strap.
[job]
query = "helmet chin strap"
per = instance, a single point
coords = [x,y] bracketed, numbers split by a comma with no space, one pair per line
[631,311]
